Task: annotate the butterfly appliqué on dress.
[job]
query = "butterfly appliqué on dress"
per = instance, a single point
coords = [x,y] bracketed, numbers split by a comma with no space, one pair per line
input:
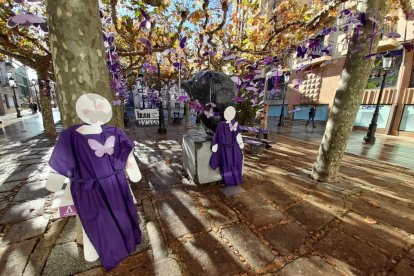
[100,149]
[233,127]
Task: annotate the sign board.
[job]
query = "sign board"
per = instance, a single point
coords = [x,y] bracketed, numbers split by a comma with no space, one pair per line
[147,117]
[67,211]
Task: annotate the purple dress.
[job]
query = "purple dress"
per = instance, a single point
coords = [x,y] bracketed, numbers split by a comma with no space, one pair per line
[100,190]
[228,157]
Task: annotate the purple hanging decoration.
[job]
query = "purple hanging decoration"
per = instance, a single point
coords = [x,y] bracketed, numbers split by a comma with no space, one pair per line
[24,20]
[146,24]
[301,51]
[182,42]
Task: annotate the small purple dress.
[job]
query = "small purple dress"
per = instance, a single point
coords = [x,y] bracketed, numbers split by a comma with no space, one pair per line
[228,157]
[100,190]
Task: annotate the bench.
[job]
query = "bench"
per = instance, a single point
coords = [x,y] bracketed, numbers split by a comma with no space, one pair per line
[257,144]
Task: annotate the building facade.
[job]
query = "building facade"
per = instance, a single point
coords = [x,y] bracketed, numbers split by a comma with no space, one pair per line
[24,95]
[319,81]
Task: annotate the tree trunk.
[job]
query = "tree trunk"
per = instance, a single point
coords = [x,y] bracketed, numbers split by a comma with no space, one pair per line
[348,96]
[78,54]
[45,105]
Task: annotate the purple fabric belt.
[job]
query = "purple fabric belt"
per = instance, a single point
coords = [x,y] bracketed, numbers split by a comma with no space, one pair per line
[89,183]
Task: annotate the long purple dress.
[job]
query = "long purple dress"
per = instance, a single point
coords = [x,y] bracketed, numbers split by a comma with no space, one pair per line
[228,157]
[100,190]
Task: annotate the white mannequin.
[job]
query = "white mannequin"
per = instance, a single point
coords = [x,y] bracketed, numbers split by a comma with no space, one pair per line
[96,111]
[229,115]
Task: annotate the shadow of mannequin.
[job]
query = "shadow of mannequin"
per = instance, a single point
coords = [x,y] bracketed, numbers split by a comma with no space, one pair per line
[95,111]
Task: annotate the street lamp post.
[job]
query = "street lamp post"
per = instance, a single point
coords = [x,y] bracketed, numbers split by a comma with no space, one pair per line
[286,79]
[13,85]
[370,137]
[36,93]
[161,125]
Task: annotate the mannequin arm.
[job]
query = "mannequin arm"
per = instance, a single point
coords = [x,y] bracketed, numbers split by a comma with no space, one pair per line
[214,148]
[55,181]
[132,168]
[239,139]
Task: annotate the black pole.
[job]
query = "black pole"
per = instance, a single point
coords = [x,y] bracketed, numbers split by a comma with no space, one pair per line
[281,121]
[370,137]
[15,103]
[161,125]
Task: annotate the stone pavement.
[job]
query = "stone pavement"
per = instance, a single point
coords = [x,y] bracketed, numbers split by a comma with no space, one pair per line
[284,224]
[397,150]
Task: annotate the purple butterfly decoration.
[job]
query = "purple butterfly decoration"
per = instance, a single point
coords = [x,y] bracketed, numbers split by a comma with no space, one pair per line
[236,80]
[116,102]
[313,43]
[252,89]
[234,126]
[24,20]
[230,57]
[393,35]
[100,149]
[345,12]
[178,65]
[301,51]
[152,68]
[326,31]
[267,60]
[239,61]
[182,42]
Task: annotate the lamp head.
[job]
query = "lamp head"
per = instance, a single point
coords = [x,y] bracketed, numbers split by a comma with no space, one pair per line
[386,61]
[12,82]
[287,76]
[158,57]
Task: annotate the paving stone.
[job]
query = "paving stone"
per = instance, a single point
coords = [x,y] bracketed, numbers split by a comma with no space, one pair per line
[205,255]
[157,242]
[359,258]
[248,245]
[19,176]
[287,237]
[276,193]
[405,268]
[379,182]
[310,215]
[13,258]
[180,217]
[390,239]
[69,231]
[312,265]
[25,230]
[167,266]
[31,191]
[23,211]
[383,209]
[352,172]
[217,210]
[5,187]
[52,234]
[256,209]
[141,264]
[170,193]
[67,259]
[149,210]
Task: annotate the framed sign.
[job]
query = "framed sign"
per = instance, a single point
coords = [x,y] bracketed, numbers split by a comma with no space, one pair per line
[147,117]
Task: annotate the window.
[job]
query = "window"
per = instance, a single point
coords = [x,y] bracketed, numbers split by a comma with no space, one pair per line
[365,113]
[302,112]
[407,120]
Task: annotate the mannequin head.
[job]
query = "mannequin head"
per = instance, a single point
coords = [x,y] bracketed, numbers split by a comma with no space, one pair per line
[93,109]
[229,113]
